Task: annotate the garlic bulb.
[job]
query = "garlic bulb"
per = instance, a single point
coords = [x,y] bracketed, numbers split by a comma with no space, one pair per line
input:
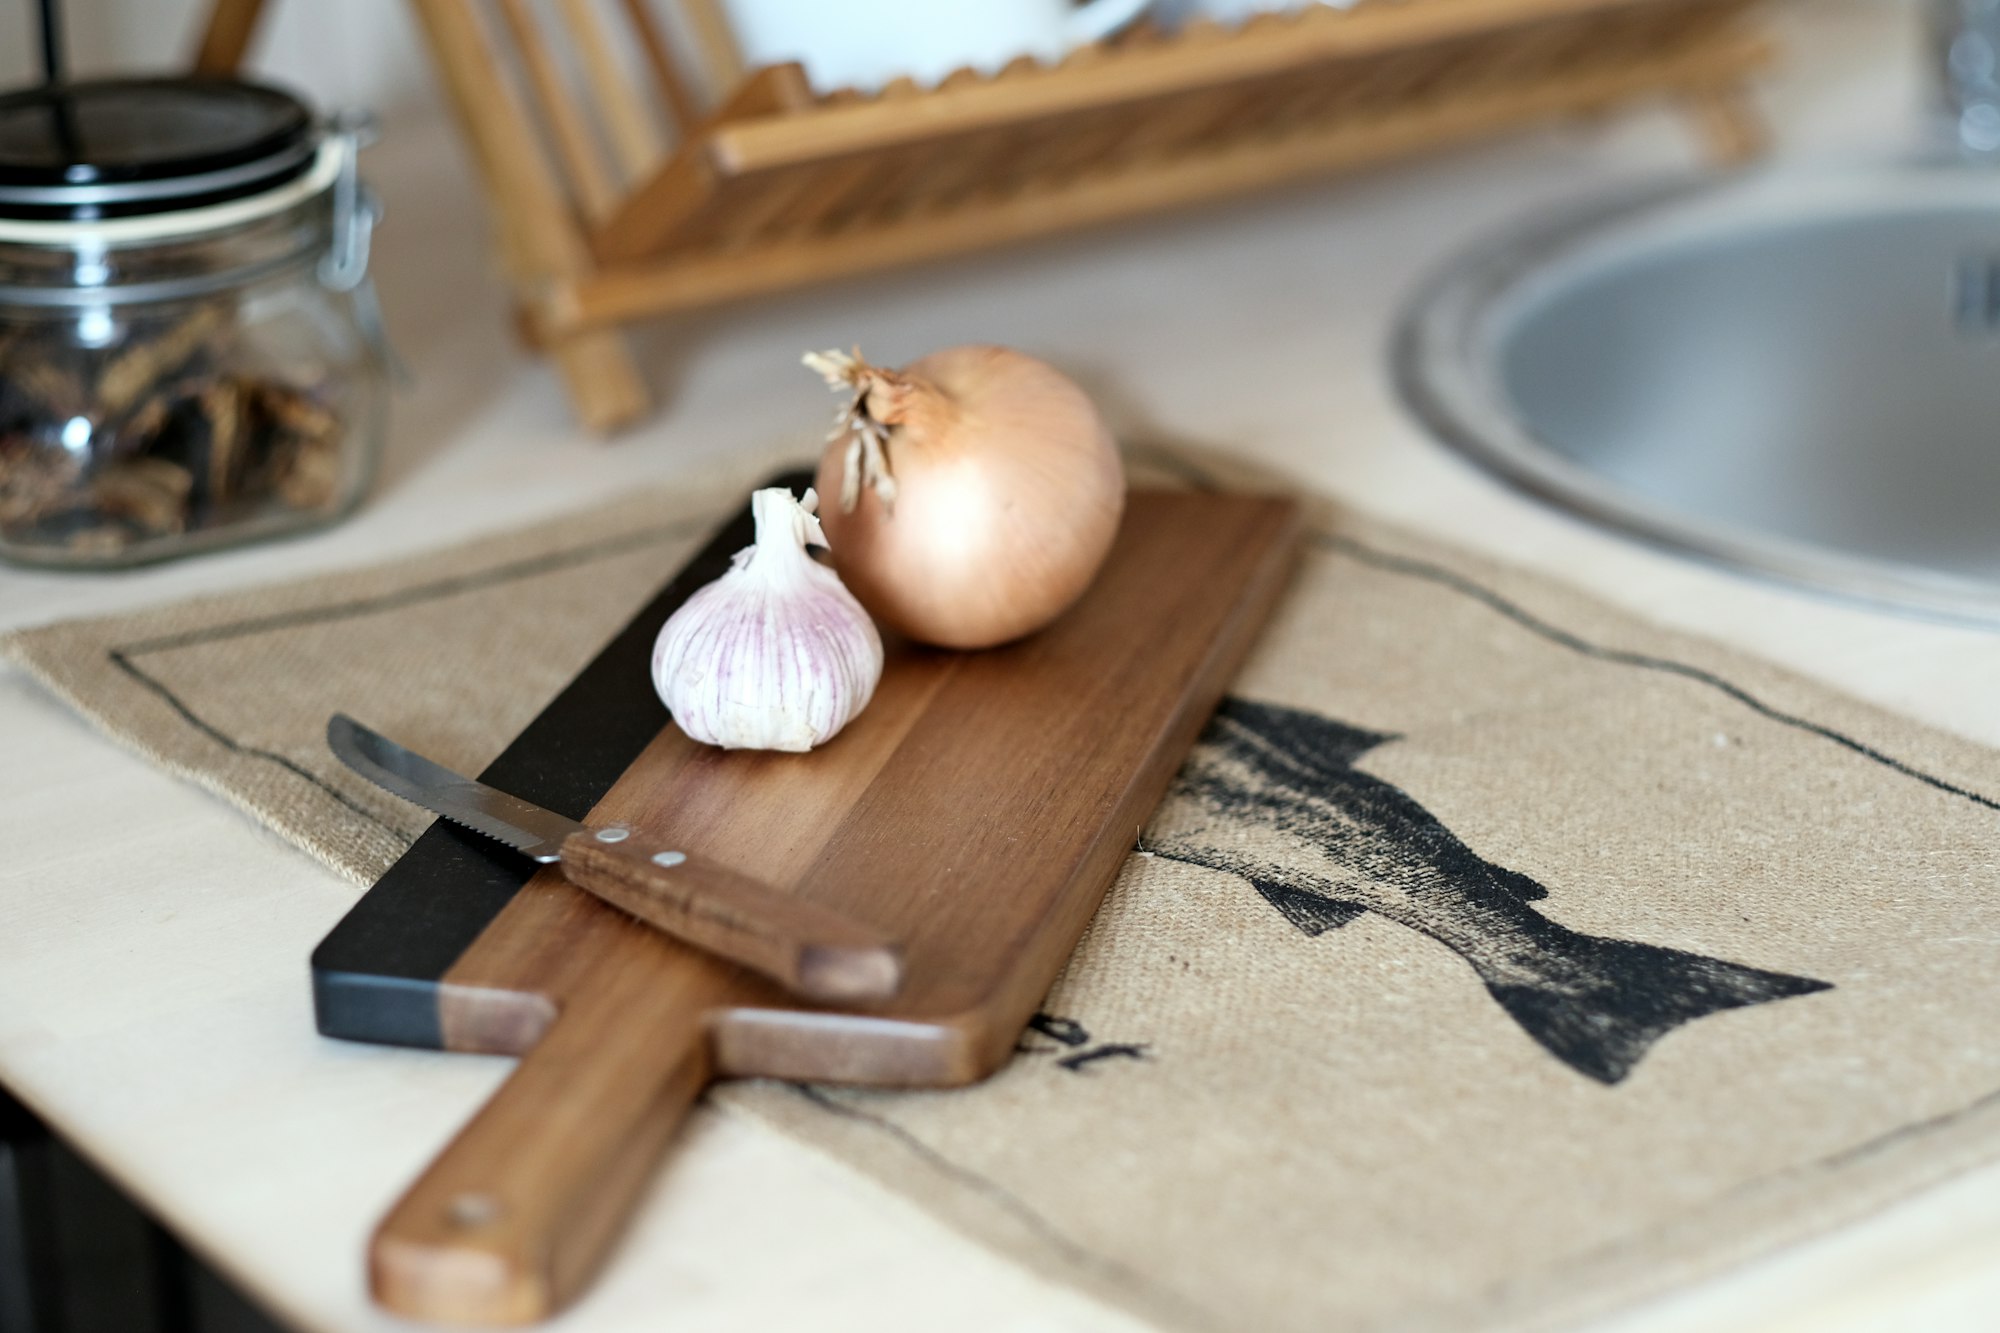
[776,654]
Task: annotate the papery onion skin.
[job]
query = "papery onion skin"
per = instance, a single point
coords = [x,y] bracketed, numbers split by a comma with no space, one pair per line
[1006,499]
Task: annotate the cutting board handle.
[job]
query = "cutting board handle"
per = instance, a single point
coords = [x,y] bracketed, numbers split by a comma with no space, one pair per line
[512,1219]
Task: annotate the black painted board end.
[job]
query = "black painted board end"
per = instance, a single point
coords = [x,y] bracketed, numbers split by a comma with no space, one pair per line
[376,974]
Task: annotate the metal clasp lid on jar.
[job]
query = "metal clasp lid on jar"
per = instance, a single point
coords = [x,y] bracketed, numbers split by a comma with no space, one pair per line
[214,155]
[356,210]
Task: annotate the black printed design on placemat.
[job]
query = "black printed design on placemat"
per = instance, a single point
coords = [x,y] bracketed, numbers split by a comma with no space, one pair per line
[1562,638]
[1272,794]
[840,1103]
[123,656]
[122,659]
[1075,1038]
[1200,478]
[1065,1030]
[1110,1050]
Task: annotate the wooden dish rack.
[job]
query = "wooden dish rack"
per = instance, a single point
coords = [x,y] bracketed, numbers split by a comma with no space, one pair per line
[570,108]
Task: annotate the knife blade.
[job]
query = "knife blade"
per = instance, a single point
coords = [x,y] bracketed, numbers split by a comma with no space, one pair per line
[811,950]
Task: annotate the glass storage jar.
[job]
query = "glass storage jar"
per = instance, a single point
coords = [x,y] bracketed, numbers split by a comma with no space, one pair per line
[189,351]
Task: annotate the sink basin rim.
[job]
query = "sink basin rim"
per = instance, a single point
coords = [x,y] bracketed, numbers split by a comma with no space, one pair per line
[1445,358]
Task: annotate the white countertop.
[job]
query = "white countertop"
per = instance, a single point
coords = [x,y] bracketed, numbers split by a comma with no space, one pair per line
[153,996]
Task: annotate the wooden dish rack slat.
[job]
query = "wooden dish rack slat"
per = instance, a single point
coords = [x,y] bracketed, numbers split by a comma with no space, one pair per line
[569,106]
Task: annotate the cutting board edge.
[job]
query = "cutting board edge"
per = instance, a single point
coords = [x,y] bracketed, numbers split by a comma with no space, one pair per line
[966,1046]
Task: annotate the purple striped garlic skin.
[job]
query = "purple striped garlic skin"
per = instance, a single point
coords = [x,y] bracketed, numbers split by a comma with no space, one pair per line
[776,654]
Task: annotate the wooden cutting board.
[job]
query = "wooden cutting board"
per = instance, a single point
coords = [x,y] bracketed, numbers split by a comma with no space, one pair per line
[977,811]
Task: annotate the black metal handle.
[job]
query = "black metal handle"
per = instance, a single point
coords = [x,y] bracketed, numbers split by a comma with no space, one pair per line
[55,69]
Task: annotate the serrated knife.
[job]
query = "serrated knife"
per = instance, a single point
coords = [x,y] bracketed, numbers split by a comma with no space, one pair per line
[812,951]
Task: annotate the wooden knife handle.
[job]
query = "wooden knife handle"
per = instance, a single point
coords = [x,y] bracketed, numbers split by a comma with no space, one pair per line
[808,949]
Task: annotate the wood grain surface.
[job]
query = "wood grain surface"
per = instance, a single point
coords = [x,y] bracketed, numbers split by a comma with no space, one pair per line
[976,812]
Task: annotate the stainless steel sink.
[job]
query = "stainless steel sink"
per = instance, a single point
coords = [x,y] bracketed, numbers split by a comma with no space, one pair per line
[1796,374]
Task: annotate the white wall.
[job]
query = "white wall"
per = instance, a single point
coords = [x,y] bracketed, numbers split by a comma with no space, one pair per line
[338,52]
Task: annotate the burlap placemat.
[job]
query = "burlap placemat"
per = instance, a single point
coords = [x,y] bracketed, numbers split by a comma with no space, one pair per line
[1497,958]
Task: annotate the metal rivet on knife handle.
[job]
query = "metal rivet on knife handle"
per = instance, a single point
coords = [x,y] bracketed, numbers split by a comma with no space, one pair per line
[812,950]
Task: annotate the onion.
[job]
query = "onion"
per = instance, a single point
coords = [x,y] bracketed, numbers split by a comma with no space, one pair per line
[979,493]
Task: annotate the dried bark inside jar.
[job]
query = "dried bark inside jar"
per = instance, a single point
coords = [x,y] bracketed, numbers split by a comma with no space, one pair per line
[164,435]
[33,481]
[304,445]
